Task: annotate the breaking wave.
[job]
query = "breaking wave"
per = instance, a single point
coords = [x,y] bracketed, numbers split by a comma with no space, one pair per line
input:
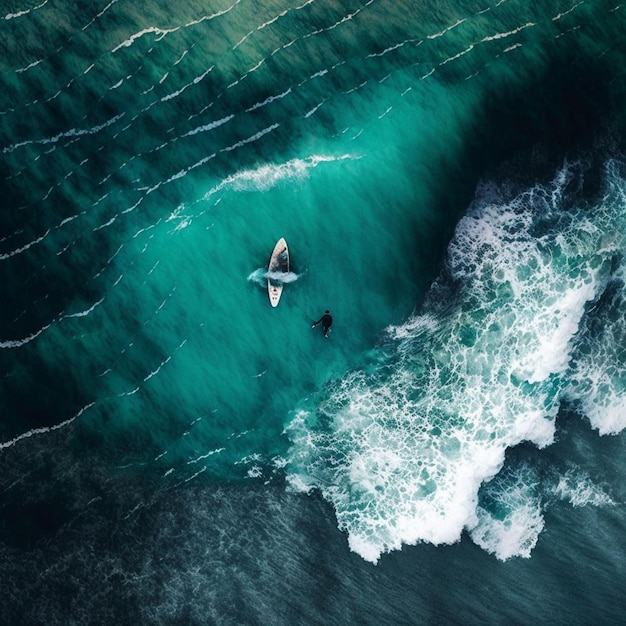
[529,312]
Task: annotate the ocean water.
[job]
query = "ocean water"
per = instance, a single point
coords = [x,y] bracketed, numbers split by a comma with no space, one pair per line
[451,181]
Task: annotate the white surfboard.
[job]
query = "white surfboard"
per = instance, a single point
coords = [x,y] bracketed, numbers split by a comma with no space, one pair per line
[279,262]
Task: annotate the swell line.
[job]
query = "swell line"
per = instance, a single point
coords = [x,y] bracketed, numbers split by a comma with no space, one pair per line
[73,132]
[23,12]
[45,429]
[18,343]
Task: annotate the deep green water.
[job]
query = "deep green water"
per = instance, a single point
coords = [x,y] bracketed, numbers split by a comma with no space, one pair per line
[450,180]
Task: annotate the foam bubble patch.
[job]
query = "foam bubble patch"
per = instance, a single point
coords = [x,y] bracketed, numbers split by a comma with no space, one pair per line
[510,519]
[577,488]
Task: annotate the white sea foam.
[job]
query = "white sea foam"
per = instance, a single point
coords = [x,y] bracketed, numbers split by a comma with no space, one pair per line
[512,524]
[597,376]
[513,520]
[12,16]
[29,66]
[260,276]
[562,15]
[212,16]
[402,451]
[251,139]
[195,81]
[446,30]
[161,32]
[202,457]
[577,488]
[85,312]
[100,14]
[74,132]
[45,429]
[269,100]
[261,27]
[18,343]
[508,33]
[314,109]
[267,176]
[457,56]
[391,48]
[25,247]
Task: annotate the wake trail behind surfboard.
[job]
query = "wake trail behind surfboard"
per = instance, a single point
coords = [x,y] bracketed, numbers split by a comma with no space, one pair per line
[260,276]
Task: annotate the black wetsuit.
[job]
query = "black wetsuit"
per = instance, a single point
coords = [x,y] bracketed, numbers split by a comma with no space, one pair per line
[326,320]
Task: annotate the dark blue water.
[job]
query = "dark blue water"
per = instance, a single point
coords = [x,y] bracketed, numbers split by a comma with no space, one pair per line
[451,181]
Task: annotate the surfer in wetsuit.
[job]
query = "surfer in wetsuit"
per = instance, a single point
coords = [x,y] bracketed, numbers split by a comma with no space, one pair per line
[326,320]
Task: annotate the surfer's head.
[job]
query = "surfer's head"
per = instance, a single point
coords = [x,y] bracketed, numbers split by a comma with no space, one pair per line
[327,311]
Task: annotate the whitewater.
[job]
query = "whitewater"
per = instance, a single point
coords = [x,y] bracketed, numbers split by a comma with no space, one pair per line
[403,447]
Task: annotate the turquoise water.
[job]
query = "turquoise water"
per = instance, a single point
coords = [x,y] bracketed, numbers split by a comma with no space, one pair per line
[450,181]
